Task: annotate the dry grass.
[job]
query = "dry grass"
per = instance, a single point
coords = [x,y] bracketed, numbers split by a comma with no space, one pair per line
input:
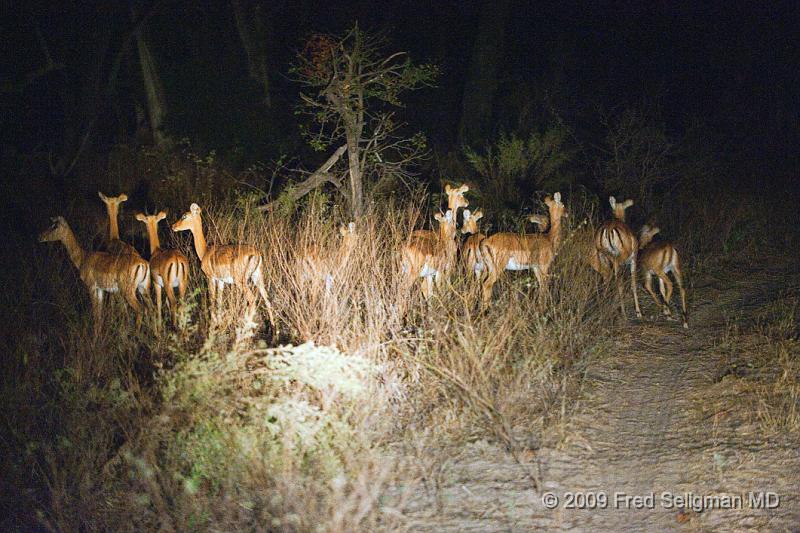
[759,383]
[191,430]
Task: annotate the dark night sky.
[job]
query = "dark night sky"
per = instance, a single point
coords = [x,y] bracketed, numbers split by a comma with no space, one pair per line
[732,63]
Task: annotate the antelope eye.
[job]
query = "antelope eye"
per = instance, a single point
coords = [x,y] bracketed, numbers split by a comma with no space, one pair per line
[184,216]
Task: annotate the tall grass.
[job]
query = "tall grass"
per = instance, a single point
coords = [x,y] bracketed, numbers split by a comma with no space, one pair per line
[208,427]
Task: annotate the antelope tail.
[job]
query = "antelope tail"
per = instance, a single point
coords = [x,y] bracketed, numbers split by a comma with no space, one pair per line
[611,241]
[488,257]
[141,276]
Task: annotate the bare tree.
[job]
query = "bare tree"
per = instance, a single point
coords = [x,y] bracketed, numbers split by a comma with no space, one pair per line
[352,90]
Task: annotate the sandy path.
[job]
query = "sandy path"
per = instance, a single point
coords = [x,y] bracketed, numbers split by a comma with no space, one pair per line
[638,435]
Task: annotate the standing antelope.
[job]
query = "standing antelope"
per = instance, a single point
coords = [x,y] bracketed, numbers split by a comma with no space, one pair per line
[616,245]
[530,251]
[315,265]
[659,258]
[471,251]
[115,245]
[103,272]
[429,254]
[227,264]
[168,268]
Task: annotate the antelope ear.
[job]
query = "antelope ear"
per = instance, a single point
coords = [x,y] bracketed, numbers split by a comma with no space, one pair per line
[140,217]
[478,214]
[612,201]
[557,197]
[438,217]
[123,197]
[351,227]
[655,230]
[195,209]
[464,188]
[342,230]
[102,196]
[467,213]
[548,200]
[626,204]
[161,216]
[447,188]
[449,215]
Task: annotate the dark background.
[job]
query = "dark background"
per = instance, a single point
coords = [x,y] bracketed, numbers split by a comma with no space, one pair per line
[732,66]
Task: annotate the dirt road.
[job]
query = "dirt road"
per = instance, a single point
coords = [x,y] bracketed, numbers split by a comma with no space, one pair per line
[641,433]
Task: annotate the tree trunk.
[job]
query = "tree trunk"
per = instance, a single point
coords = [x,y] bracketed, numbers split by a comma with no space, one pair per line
[154,90]
[356,179]
[481,84]
[254,34]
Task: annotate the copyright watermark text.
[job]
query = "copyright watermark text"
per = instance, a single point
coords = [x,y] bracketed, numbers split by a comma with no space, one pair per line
[664,500]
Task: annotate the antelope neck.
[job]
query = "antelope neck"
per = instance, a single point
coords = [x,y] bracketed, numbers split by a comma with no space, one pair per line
[113,226]
[200,245]
[152,233]
[76,253]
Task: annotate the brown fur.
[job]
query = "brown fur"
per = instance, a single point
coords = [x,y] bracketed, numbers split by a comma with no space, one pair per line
[616,245]
[534,251]
[315,265]
[455,198]
[170,267]
[470,251]
[103,272]
[659,258]
[431,251]
[235,264]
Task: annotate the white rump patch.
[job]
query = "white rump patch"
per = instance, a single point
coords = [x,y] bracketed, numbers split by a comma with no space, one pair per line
[513,265]
[427,271]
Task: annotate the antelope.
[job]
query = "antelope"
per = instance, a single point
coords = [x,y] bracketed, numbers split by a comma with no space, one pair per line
[227,264]
[103,272]
[315,266]
[429,254]
[169,268]
[531,251]
[471,251]
[616,245]
[659,258]
[115,245]
[455,198]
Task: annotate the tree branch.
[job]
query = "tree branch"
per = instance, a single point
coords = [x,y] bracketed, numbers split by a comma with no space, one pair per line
[319,177]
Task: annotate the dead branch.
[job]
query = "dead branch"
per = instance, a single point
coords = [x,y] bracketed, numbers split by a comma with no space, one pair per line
[317,178]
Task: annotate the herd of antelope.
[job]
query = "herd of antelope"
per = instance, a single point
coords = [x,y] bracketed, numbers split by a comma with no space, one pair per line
[426,255]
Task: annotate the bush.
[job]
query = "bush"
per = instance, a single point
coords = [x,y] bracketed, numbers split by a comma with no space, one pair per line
[512,168]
